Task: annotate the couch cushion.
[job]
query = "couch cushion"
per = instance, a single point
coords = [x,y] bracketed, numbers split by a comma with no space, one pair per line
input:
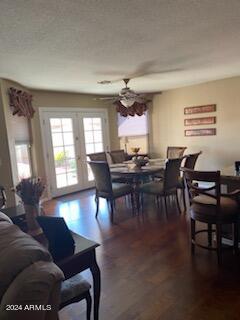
[33,286]
[17,251]
[4,217]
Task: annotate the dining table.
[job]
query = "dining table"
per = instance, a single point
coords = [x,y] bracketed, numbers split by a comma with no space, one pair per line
[230,178]
[136,174]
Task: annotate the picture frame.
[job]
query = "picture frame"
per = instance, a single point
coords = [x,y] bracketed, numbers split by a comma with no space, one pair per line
[199,121]
[200,132]
[200,109]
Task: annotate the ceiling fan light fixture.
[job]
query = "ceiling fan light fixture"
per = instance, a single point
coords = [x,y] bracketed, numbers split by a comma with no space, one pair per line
[127,102]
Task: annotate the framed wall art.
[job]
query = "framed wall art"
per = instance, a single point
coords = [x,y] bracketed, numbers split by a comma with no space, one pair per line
[199,121]
[200,109]
[200,132]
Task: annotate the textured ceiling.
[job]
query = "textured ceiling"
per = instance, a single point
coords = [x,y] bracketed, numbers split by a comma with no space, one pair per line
[69,45]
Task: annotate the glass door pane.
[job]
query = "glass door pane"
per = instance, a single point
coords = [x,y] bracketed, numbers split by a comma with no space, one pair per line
[65,162]
[68,137]
[23,160]
[93,137]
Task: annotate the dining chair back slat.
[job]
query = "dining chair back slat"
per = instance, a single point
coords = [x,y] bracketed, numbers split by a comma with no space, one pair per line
[175,152]
[191,160]
[99,156]
[172,173]
[117,156]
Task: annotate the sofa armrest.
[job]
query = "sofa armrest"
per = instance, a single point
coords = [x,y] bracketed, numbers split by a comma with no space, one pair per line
[37,286]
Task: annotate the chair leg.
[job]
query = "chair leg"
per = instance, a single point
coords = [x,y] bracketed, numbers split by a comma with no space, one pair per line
[132,202]
[165,204]
[193,227]
[97,206]
[209,234]
[184,199]
[142,200]
[89,305]
[112,209]
[157,198]
[137,197]
[235,237]
[219,243]
[178,205]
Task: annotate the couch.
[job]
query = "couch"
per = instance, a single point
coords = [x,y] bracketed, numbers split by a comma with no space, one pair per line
[30,282]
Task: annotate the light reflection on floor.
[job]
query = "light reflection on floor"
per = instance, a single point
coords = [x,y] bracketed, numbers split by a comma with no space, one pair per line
[74,210]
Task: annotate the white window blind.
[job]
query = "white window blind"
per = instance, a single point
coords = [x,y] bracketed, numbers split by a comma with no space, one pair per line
[132,126]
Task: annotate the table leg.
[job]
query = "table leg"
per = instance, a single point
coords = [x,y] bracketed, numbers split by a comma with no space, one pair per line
[96,287]
[135,202]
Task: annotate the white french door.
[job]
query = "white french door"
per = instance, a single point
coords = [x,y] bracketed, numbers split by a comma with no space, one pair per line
[67,139]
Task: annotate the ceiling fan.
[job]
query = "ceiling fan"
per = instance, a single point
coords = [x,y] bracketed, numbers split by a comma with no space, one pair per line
[126,96]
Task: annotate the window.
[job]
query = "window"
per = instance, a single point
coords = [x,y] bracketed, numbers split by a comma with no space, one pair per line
[23,160]
[93,138]
[132,126]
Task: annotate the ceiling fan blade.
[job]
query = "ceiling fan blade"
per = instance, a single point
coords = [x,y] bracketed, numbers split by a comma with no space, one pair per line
[150,93]
[143,68]
[106,98]
[109,81]
[139,75]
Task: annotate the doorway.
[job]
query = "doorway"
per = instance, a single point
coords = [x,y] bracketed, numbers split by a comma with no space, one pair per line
[68,137]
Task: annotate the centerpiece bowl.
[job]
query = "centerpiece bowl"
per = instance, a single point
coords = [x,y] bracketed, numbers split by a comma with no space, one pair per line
[140,161]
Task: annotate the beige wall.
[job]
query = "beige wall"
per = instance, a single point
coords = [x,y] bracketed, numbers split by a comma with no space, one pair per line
[168,122]
[60,99]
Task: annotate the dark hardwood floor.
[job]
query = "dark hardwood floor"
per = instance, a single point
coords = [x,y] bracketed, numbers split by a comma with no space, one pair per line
[147,269]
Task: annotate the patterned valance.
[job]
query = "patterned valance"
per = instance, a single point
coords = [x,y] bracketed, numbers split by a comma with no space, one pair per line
[135,109]
[21,103]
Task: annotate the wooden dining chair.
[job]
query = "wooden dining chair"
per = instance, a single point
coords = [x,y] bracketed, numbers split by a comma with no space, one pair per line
[99,156]
[167,186]
[172,153]
[74,290]
[208,205]
[175,152]
[190,162]
[102,156]
[117,156]
[107,189]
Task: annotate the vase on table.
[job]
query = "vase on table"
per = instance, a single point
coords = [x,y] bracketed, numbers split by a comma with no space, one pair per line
[32,212]
[30,190]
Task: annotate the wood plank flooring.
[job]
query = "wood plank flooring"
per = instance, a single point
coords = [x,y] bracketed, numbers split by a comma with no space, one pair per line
[147,269]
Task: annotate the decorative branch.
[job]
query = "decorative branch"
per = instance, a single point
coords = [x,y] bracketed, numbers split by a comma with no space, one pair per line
[21,103]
